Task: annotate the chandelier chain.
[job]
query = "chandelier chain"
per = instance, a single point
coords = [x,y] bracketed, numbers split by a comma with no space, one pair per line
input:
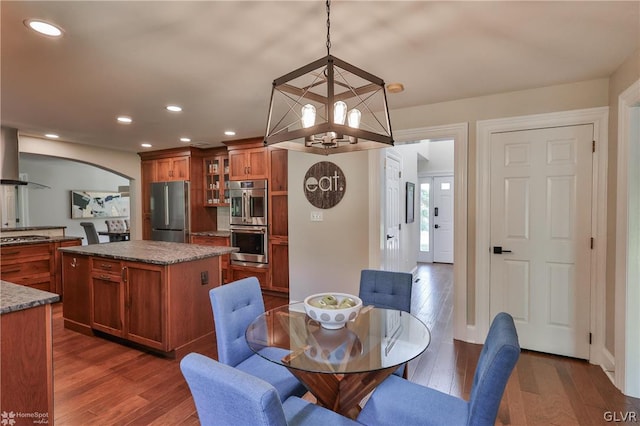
[328,26]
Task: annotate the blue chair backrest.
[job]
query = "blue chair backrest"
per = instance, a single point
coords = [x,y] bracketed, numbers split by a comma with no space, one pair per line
[227,396]
[497,359]
[235,305]
[386,289]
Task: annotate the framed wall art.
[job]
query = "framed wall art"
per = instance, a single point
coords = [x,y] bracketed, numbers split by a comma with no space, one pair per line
[98,204]
[410,202]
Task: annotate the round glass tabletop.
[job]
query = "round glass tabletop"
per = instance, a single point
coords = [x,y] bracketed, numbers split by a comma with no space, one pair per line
[377,339]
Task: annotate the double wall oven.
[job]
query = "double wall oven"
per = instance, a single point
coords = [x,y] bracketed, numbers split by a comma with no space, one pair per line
[248,222]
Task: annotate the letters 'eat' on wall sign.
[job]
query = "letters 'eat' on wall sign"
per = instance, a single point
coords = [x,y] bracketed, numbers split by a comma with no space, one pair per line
[324,185]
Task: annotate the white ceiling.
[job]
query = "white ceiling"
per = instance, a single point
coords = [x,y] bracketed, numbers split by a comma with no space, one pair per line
[218,58]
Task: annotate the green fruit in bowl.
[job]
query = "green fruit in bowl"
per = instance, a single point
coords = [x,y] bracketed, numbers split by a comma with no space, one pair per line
[316,304]
[329,299]
[347,302]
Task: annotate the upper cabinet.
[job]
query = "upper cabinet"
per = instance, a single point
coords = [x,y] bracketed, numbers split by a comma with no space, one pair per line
[248,159]
[173,168]
[216,181]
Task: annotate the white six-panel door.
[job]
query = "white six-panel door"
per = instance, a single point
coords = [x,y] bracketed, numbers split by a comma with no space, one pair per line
[541,189]
[392,213]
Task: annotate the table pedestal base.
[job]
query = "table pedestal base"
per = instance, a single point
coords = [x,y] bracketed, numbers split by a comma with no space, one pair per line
[342,392]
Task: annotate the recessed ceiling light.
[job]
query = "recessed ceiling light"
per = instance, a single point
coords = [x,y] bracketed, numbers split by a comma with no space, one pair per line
[124,119]
[174,108]
[185,140]
[43,27]
[395,87]
[230,133]
[145,145]
[52,136]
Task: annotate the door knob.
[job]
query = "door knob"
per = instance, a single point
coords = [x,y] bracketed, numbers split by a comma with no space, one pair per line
[389,237]
[436,226]
[500,250]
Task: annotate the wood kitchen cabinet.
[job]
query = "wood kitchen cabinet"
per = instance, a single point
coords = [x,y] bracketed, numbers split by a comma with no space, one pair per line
[126,301]
[57,260]
[212,240]
[31,265]
[278,220]
[35,265]
[148,176]
[247,159]
[173,168]
[216,181]
[76,279]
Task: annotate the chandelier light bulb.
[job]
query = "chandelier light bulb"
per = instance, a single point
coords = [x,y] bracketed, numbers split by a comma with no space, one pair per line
[308,116]
[339,112]
[354,118]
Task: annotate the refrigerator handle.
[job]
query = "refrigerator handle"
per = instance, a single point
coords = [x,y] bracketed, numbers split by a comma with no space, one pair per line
[166,204]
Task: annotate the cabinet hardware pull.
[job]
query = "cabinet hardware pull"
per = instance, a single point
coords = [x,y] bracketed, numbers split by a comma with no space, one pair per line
[12,270]
[105,266]
[124,274]
[9,253]
[74,262]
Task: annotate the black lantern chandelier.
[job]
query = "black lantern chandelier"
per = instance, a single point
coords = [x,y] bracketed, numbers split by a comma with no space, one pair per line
[328,107]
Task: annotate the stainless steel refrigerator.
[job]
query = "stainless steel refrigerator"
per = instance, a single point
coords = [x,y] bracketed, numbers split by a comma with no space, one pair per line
[170,211]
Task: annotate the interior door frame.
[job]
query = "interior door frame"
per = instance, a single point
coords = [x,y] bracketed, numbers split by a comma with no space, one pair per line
[599,118]
[459,132]
[627,288]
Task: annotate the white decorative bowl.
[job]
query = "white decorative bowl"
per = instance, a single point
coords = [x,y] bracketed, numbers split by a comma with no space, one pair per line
[328,317]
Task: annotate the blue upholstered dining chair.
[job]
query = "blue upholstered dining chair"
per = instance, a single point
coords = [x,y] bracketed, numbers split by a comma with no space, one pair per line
[399,402]
[235,305]
[387,289]
[228,396]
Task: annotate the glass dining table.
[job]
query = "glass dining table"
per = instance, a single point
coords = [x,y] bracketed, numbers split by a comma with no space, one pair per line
[339,367]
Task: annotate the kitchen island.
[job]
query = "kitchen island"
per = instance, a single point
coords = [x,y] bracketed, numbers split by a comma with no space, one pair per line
[26,359]
[150,293]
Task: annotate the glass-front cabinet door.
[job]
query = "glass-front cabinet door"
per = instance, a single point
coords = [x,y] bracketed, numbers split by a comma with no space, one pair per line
[216,181]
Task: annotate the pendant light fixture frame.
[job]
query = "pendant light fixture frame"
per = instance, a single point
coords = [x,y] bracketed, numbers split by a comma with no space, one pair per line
[321,84]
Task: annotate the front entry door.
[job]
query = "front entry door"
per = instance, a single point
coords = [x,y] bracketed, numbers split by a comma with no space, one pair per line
[443,219]
[541,189]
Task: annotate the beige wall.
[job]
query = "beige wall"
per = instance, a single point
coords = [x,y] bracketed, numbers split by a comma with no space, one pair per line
[566,97]
[328,255]
[627,74]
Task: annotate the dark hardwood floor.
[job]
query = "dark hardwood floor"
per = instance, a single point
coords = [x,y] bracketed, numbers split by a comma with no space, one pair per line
[99,382]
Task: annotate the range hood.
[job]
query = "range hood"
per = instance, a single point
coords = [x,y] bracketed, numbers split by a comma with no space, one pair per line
[9,156]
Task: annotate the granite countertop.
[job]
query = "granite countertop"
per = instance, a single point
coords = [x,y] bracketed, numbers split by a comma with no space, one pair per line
[217,233]
[48,240]
[14,297]
[31,228]
[155,252]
